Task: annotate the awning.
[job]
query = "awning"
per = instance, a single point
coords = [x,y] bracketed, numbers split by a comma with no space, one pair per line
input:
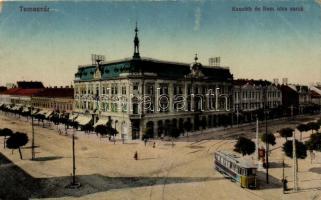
[34,111]
[101,121]
[25,109]
[73,117]
[49,113]
[14,108]
[42,112]
[83,120]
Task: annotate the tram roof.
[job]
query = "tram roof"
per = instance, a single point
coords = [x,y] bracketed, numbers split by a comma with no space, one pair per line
[236,158]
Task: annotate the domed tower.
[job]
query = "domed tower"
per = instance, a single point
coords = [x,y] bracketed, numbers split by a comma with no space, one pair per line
[136,44]
[196,68]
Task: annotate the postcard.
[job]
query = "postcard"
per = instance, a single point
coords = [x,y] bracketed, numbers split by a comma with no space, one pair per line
[204,99]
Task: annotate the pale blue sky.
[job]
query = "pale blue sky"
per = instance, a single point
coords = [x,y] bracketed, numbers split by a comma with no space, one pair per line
[49,46]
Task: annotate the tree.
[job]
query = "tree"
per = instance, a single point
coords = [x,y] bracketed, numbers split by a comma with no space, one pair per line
[101,130]
[301,149]
[244,146]
[174,133]
[268,138]
[314,126]
[5,132]
[314,143]
[148,133]
[203,123]
[16,141]
[286,132]
[302,128]
[188,126]
[40,117]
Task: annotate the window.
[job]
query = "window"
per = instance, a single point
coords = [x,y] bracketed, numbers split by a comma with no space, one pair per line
[135,87]
[123,90]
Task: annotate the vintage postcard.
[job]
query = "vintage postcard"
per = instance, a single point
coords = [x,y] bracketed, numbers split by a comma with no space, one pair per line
[217,99]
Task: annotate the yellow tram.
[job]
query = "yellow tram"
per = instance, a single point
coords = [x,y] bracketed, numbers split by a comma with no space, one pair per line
[234,166]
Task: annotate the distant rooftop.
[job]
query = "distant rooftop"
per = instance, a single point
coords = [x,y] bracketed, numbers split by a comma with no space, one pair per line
[251,82]
[30,84]
[56,93]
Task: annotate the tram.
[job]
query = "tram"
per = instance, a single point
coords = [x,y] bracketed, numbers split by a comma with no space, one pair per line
[234,166]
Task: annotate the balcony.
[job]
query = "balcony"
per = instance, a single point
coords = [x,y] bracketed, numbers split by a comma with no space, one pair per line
[135,116]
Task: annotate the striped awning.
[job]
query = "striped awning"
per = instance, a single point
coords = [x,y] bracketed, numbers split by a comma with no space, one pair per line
[101,121]
[83,120]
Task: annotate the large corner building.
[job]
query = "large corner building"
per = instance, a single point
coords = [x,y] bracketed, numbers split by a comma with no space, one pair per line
[139,93]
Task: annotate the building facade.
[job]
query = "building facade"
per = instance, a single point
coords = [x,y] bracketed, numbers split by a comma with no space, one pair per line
[296,98]
[139,93]
[56,99]
[250,96]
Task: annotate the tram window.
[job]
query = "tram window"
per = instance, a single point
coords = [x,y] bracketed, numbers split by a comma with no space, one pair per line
[251,172]
[242,171]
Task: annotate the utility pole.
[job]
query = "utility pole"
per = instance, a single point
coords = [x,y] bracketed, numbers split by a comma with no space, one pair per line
[295,173]
[257,139]
[73,161]
[33,153]
[267,150]
[73,184]
[266,136]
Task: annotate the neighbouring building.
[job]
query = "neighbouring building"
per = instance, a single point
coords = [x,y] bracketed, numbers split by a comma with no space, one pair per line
[3,89]
[252,96]
[21,95]
[138,93]
[56,99]
[296,98]
[29,94]
[315,92]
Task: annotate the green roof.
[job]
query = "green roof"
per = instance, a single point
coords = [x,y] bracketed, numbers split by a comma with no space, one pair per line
[163,69]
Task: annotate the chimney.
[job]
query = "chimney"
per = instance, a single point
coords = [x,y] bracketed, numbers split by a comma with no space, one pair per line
[276,81]
[285,81]
[214,61]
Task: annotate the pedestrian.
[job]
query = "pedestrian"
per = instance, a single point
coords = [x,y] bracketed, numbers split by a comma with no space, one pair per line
[145,141]
[285,186]
[136,156]
[154,144]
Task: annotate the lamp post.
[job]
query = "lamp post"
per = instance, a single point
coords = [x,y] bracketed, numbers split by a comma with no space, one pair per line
[73,184]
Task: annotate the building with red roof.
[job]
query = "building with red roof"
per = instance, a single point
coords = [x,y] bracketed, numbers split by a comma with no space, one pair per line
[35,94]
[58,99]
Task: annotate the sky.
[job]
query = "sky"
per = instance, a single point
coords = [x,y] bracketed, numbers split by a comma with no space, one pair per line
[49,46]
